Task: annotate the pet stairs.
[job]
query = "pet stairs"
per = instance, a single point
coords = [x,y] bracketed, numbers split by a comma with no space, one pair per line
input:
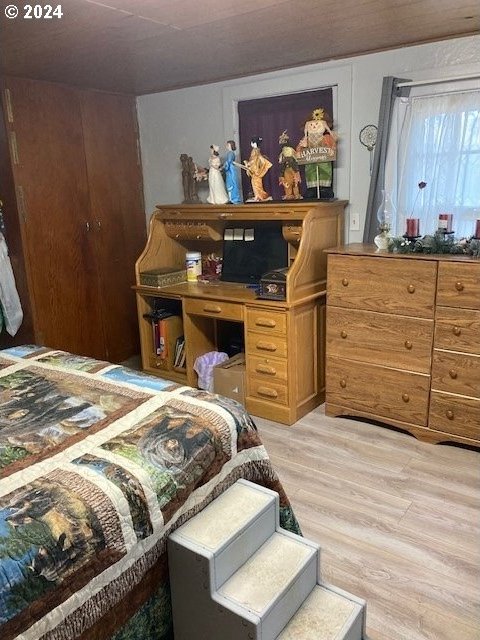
[236,575]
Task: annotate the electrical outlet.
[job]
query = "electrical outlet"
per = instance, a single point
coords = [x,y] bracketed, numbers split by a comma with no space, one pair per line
[354,222]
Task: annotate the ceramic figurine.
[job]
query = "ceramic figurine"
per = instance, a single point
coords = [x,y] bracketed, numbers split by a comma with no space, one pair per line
[257,166]
[217,193]
[232,181]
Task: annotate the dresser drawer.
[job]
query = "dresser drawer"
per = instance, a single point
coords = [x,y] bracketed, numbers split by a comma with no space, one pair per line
[267,321]
[459,285]
[267,368]
[267,390]
[379,391]
[214,309]
[456,373]
[455,414]
[259,344]
[457,329]
[379,338]
[387,285]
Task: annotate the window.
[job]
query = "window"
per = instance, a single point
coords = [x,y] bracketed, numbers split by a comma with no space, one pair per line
[436,138]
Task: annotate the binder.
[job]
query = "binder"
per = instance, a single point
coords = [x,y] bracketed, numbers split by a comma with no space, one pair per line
[170,329]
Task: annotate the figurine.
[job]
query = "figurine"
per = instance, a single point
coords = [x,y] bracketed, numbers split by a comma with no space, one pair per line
[317,150]
[257,166]
[188,180]
[217,193]
[231,175]
[289,172]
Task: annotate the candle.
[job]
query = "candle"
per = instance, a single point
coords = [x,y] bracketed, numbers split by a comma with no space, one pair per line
[445,222]
[477,229]
[413,227]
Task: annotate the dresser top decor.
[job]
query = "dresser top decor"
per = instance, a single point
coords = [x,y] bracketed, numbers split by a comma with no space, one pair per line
[438,243]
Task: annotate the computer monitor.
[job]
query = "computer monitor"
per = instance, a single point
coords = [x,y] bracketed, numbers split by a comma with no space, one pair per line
[252,249]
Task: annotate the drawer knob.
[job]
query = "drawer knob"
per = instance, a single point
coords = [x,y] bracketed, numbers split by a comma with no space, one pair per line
[343,383]
[456,331]
[263,368]
[343,334]
[453,374]
[459,286]
[411,288]
[265,322]
[266,346]
[212,308]
[449,414]
[345,282]
[408,345]
[405,397]
[267,392]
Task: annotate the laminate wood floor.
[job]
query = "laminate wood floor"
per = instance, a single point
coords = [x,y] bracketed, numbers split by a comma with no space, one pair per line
[398,521]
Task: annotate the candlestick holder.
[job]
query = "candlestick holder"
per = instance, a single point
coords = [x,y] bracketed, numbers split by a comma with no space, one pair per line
[445,233]
[410,238]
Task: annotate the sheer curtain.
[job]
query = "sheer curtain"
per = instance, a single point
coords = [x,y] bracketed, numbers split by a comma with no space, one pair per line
[436,138]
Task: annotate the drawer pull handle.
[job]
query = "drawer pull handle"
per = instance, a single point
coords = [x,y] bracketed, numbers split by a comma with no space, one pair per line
[266,391]
[343,334]
[225,215]
[408,345]
[405,397]
[211,308]
[449,413]
[459,286]
[266,346]
[263,368]
[345,282]
[265,322]
[456,331]
[453,374]
[411,288]
[343,383]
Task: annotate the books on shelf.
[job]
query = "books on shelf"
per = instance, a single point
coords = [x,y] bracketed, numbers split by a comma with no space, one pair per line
[167,329]
[179,359]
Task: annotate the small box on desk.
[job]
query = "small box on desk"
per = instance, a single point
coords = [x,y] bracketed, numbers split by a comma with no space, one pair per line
[229,378]
[273,285]
[164,277]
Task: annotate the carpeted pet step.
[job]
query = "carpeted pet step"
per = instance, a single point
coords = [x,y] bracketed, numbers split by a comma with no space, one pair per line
[327,614]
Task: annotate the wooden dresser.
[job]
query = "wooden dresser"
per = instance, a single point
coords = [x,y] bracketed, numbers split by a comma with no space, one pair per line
[403,341]
[284,340]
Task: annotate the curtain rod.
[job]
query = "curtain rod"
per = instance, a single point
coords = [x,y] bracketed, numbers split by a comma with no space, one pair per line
[436,81]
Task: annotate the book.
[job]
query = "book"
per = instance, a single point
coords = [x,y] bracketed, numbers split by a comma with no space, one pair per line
[170,329]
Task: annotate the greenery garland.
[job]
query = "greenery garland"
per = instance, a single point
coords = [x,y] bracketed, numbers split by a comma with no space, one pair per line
[438,243]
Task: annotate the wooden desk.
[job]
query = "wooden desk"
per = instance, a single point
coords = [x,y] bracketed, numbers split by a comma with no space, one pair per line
[284,340]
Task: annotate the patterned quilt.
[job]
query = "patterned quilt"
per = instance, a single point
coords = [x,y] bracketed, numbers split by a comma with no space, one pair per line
[98,464]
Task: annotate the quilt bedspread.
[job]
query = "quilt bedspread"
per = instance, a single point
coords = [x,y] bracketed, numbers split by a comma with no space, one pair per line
[98,464]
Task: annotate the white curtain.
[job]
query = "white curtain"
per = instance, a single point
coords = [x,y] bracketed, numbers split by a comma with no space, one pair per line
[435,138]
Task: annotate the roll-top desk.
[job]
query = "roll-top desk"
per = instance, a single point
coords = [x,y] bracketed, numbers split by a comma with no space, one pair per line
[403,341]
[284,340]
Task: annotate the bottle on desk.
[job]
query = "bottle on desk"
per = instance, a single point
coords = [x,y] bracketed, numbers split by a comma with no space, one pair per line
[193,262]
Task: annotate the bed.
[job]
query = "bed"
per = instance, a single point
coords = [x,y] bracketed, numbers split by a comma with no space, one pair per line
[98,464]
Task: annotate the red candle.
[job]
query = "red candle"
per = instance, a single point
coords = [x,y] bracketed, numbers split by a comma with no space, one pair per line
[477,229]
[413,227]
[445,222]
